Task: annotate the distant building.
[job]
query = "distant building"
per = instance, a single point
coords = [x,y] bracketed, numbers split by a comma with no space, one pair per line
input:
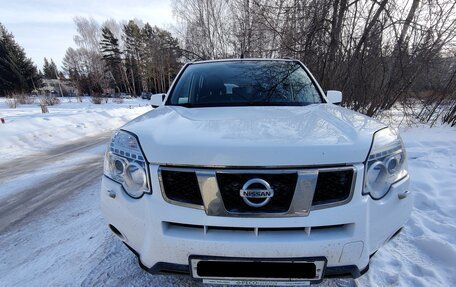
[51,87]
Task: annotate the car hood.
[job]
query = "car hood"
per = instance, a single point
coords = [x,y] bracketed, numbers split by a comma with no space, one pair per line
[321,134]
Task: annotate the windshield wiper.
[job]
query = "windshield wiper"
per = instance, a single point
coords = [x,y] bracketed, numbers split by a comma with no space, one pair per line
[268,104]
[186,105]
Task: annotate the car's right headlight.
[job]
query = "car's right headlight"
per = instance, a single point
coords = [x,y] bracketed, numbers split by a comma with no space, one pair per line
[386,164]
[126,164]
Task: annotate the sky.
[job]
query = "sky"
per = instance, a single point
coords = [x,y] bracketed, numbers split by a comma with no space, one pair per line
[45,28]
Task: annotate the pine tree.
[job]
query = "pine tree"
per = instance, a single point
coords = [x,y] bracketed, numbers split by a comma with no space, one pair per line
[54,70]
[18,74]
[112,57]
[8,72]
[133,46]
[50,69]
[159,55]
[46,69]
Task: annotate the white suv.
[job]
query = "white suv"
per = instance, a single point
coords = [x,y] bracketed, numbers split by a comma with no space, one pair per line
[247,173]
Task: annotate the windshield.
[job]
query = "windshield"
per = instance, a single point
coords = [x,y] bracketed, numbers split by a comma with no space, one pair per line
[244,83]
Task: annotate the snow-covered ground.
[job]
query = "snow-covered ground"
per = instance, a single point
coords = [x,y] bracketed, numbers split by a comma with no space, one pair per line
[26,130]
[65,242]
[424,253]
[71,246]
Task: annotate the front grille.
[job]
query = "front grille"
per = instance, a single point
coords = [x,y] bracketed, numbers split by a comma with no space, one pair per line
[333,186]
[222,189]
[283,184]
[181,186]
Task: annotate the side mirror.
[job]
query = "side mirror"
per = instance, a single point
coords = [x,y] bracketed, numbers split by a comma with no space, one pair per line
[334,97]
[156,100]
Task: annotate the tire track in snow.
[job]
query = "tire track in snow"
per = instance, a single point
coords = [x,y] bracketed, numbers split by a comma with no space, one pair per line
[35,162]
[32,201]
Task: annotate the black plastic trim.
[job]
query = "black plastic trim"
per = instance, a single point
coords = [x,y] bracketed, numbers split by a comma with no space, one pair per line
[348,271]
[351,271]
[164,268]
[161,268]
[395,233]
[173,86]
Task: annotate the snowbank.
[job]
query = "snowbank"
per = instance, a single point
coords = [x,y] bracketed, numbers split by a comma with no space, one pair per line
[26,130]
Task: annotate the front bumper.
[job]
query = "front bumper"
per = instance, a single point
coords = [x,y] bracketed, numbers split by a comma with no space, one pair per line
[164,235]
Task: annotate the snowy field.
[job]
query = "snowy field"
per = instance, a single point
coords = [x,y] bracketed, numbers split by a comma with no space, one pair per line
[26,130]
[63,241]
[424,253]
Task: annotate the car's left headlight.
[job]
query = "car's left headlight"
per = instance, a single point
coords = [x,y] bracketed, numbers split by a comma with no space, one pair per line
[126,164]
[386,164]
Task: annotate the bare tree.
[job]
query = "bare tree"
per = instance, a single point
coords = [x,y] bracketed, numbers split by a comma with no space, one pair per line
[379,53]
[85,64]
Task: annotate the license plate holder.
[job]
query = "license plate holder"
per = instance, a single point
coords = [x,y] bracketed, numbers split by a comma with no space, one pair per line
[297,283]
[257,271]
